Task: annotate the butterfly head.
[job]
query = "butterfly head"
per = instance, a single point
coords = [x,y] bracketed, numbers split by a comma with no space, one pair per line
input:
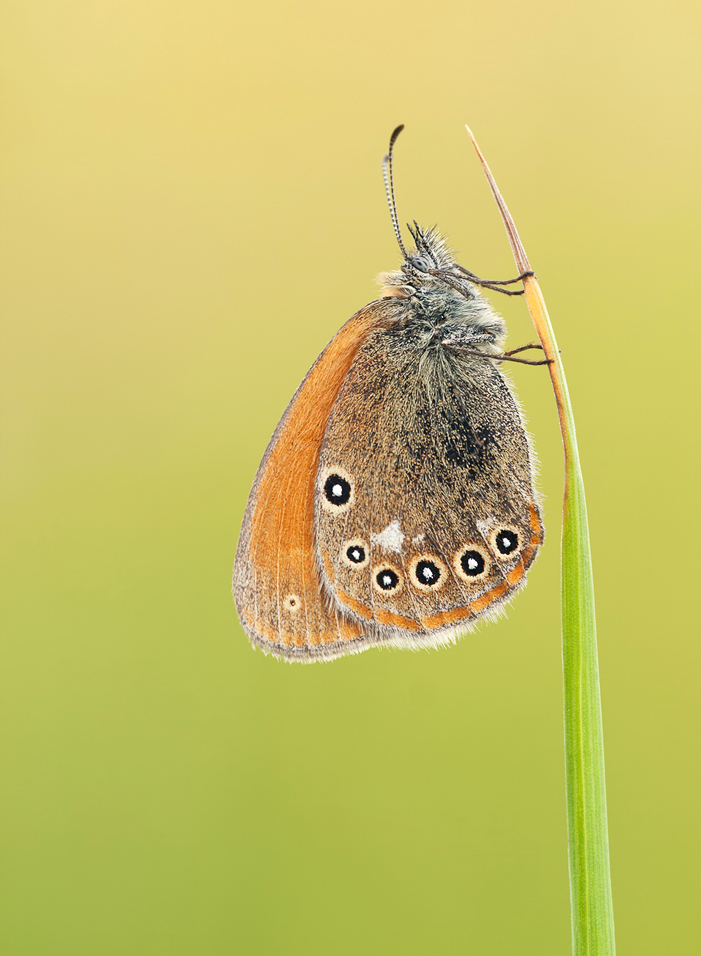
[438,288]
[429,267]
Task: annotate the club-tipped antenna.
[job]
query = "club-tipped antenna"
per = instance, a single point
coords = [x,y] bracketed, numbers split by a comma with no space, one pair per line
[389,187]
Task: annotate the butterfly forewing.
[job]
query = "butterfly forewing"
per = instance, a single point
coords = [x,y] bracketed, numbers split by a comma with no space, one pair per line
[277,586]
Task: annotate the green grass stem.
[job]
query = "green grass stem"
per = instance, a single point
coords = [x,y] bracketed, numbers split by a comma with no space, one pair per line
[587,827]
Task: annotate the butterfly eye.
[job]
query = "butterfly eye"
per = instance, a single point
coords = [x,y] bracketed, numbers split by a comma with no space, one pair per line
[386,579]
[355,554]
[428,572]
[337,491]
[506,540]
[471,564]
[420,263]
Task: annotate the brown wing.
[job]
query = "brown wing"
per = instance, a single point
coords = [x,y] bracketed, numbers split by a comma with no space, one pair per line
[277,587]
[426,515]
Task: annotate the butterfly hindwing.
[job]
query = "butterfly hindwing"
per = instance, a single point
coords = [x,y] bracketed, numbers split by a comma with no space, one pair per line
[426,517]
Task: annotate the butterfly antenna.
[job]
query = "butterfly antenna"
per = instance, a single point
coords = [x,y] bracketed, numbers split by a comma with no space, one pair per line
[389,188]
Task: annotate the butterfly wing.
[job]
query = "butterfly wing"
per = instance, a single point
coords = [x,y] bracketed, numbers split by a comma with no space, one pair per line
[277,587]
[426,514]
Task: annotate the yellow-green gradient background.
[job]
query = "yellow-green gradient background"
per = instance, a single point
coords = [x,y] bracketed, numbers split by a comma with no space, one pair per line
[192,205]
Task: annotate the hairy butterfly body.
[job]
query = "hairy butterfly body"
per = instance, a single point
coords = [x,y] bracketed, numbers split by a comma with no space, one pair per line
[395,504]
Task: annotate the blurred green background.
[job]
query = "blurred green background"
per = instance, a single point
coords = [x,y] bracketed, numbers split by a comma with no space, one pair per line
[192,204]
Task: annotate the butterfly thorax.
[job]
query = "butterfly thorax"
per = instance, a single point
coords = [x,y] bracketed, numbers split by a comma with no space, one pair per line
[438,293]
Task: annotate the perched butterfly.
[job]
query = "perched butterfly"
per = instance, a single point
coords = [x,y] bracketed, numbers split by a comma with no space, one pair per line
[395,503]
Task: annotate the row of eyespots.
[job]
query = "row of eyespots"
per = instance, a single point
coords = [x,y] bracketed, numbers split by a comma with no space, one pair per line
[338,496]
[428,571]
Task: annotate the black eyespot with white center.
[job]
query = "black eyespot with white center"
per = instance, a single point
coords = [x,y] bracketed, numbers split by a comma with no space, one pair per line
[386,579]
[506,541]
[428,573]
[354,554]
[337,490]
[472,563]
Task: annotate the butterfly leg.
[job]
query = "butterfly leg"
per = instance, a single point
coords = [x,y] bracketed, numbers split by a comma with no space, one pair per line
[524,348]
[504,357]
[496,284]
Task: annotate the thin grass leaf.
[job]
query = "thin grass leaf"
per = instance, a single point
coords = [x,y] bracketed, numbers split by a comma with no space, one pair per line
[590,881]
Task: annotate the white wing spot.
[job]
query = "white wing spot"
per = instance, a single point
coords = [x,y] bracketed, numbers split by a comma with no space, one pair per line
[391,539]
[292,603]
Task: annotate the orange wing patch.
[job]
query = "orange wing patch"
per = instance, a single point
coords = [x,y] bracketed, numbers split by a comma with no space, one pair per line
[277,586]
[396,620]
[446,618]
[285,519]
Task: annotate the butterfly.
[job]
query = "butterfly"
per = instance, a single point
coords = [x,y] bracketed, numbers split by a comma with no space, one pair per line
[395,503]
